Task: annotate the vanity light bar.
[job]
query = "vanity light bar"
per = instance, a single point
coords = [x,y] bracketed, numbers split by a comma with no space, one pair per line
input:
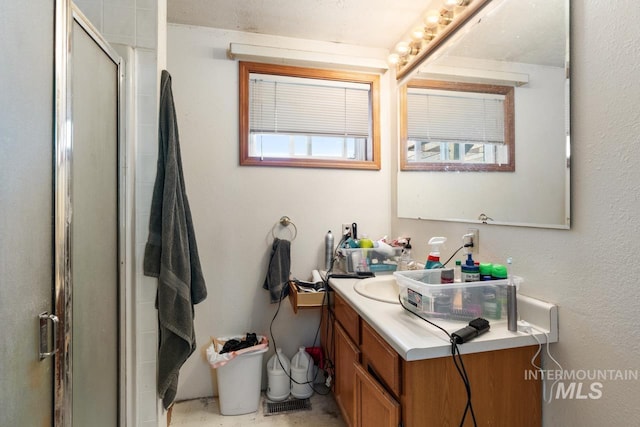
[439,24]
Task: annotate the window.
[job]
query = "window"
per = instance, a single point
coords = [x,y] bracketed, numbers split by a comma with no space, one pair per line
[447,126]
[304,117]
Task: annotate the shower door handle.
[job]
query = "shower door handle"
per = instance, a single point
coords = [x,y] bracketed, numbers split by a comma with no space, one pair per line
[44,319]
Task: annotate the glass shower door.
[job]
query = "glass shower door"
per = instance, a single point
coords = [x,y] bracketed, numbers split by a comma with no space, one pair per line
[95,277]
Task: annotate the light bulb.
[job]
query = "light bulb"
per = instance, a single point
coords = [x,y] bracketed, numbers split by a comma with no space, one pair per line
[450,4]
[417,33]
[393,59]
[403,48]
[431,19]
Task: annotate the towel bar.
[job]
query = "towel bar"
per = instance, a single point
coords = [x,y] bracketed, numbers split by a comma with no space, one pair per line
[285,221]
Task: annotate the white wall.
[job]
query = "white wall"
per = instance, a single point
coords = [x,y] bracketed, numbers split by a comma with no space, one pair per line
[235,208]
[591,270]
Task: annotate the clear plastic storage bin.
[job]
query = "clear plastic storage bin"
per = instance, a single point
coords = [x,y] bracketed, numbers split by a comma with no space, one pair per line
[370,259]
[422,293]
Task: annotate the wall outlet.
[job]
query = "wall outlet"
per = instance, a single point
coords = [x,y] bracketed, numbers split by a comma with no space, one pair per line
[475,239]
[346,229]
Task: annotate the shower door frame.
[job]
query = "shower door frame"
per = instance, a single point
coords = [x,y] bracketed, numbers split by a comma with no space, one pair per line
[66,13]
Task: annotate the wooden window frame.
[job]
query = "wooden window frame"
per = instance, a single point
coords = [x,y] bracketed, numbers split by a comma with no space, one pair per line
[509,127]
[246,68]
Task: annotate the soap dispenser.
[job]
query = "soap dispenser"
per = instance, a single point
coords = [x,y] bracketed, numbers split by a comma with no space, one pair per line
[470,272]
[406,262]
[433,260]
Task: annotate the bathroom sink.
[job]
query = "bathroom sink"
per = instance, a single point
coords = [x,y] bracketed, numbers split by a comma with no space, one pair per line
[379,288]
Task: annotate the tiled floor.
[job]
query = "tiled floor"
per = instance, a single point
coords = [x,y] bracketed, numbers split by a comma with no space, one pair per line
[205,412]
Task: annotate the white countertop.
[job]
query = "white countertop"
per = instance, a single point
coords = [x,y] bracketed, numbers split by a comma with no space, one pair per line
[415,339]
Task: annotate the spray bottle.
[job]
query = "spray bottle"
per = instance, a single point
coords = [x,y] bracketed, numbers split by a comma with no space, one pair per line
[433,260]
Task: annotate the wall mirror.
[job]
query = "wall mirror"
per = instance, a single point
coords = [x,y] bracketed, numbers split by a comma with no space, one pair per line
[523,44]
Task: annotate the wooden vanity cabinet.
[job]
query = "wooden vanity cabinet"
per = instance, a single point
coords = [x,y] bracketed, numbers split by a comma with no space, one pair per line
[347,357]
[374,386]
[434,394]
[364,376]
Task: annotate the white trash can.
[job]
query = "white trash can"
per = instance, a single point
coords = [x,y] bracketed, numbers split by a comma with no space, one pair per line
[239,377]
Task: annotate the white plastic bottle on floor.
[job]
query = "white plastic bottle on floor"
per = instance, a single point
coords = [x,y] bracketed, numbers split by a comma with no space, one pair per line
[302,372]
[279,383]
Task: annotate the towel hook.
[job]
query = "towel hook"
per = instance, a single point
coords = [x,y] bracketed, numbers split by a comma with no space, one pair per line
[484,218]
[285,221]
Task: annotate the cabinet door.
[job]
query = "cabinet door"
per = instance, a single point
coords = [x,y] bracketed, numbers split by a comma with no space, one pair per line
[347,357]
[502,394]
[374,406]
[378,357]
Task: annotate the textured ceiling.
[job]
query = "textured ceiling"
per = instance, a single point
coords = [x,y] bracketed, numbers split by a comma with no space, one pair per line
[526,31]
[372,23]
[533,35]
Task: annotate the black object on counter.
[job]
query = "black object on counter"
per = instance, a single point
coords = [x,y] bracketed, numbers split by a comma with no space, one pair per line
[476,327]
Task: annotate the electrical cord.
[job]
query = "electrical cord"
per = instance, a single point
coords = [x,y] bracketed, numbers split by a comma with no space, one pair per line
[466,245]
[458,363]
[326,282]
[539,368]
[465,379]
[311,382]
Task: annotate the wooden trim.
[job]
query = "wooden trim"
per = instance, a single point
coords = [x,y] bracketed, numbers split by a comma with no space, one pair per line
[509,127]
[245,68]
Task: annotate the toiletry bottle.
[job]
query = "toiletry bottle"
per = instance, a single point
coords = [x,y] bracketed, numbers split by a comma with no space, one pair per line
[406,262]
[365,242]
[457,271]
[485,271]
[447,276]
[512,301]
[472,297]
[328,250]
[499,272]
[491,304]
[433,260]
[469,271]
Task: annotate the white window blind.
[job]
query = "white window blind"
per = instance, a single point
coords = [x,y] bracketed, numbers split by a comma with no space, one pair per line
[293,105]
[450,116]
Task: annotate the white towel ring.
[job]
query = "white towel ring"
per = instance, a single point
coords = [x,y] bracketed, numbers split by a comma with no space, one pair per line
[285,221]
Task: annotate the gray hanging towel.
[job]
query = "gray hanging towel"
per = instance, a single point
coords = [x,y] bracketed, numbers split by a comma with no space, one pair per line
[277,280]
[171,253]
